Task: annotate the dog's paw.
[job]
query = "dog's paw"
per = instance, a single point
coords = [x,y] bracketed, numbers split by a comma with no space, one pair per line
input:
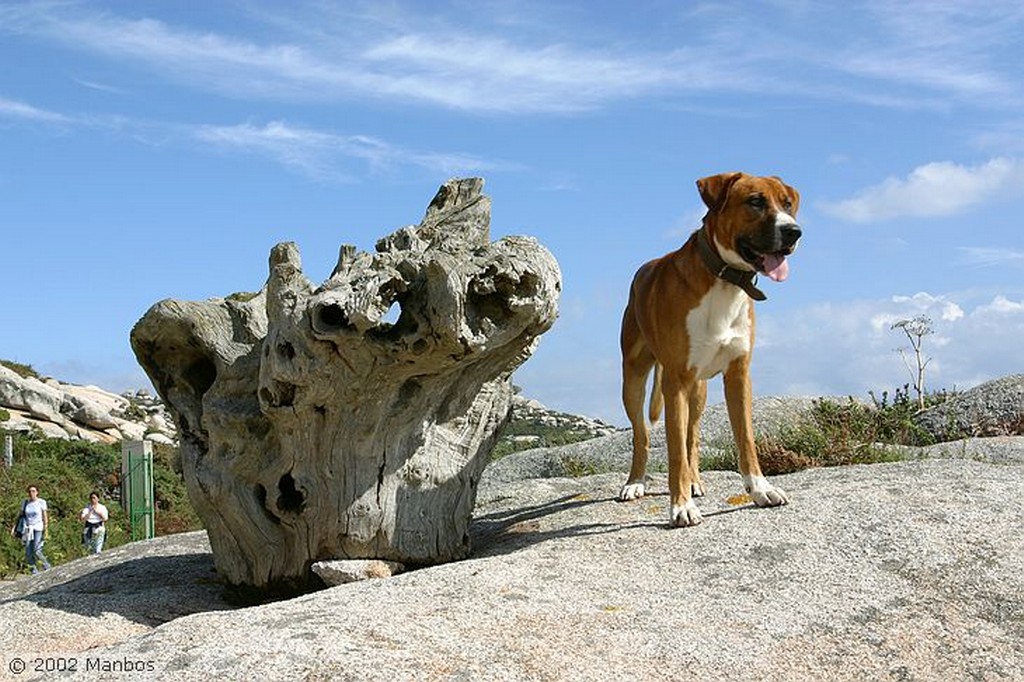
[697,489]
[763,493]
[632,491]
[685,515]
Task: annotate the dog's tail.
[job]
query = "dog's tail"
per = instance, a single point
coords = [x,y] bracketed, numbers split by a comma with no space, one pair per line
[657,399]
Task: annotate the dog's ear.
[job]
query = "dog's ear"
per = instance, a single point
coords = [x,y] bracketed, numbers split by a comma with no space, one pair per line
[715,188]
[794,196]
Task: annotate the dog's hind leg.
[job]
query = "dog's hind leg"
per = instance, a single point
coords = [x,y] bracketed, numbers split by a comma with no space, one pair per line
[698,398]
[679,387]
[636,365]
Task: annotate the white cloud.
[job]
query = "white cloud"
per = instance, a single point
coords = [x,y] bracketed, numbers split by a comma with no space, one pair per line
[20,110]
[451,68]
[101,87]
[923,303]
[543,62]
[934,189]
[1001,305]
[322,155]
[850,348]
[979,255]
[950,47]
[825,349]
[689,221]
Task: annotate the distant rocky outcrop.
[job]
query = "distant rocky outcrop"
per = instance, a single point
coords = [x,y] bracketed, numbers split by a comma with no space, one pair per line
[69,411]
[533,425]
[994,408]
[613,451]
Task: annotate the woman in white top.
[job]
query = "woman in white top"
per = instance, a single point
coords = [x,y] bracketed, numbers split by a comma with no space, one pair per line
[95,517]
[37,529]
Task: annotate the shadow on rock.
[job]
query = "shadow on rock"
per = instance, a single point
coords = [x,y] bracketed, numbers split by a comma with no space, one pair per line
[149,590]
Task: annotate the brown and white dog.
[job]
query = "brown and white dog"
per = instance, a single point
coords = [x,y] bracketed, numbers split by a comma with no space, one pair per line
[690,317]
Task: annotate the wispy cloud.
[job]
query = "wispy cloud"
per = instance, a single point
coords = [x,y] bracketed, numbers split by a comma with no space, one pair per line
[935,189]
[494,73]
[325,155]
[26,112]
[980,255]
[321,155]
[101,87]
[443,59]
[452,69]
[952,47]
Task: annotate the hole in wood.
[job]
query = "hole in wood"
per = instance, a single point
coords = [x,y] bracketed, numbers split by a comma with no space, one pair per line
[290,499]
[393,313]
[286,350]
[331,317]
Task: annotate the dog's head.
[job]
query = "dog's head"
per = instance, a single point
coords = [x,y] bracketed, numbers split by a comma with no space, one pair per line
[752,221]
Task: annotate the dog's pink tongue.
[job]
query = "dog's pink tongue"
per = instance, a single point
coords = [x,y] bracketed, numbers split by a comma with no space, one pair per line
[776,267]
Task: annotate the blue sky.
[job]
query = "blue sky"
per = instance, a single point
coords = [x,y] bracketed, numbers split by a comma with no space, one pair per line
[151,150]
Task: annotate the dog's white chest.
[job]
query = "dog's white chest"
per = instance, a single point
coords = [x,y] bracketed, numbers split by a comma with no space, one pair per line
[719,329]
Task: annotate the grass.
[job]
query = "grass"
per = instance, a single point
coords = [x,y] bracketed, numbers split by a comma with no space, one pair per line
[839,432]
[834,433]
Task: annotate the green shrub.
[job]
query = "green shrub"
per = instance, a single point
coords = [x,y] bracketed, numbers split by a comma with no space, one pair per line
[242,296]
[544,436]
[24,371]
[840,432]
[174,512]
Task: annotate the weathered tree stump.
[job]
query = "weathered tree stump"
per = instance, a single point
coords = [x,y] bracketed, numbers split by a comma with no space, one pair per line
[313,429]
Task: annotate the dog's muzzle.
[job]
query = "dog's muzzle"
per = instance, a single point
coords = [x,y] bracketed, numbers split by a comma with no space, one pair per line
[768,248]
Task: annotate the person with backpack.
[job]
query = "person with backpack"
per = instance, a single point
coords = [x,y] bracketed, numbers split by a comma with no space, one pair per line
[36,529]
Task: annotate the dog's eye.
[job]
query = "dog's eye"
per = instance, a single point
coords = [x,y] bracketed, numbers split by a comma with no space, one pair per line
[757,201]
[788,205]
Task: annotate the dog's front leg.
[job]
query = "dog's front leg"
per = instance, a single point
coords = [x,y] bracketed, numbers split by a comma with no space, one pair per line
[738,401]
[684,511]
[698,398]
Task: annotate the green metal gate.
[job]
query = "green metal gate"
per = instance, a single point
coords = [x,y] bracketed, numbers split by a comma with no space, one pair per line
[137,487]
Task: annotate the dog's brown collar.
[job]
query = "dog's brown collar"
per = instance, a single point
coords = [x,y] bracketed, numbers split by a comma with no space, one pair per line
[744,279]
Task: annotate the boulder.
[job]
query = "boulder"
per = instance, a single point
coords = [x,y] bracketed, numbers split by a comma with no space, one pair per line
[352,419]
[104,401]
[994,408]
[352,570]
[30,394]
[88,412]
[159,438]
[51,429]
[130,429]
